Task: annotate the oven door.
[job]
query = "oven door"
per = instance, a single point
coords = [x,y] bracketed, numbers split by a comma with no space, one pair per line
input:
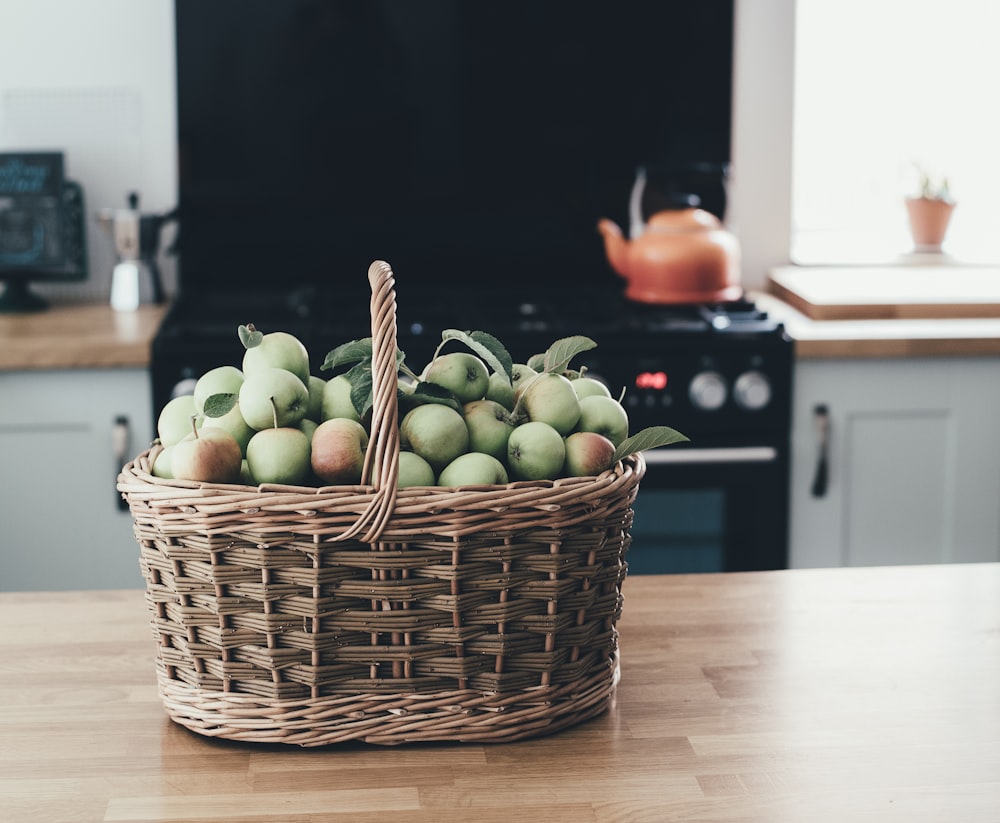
[711,510]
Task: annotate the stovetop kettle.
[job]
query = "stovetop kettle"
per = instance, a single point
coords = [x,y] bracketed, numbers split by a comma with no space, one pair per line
[680,255]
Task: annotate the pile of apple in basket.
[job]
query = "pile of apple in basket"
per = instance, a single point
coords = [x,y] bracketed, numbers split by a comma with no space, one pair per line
[471,416]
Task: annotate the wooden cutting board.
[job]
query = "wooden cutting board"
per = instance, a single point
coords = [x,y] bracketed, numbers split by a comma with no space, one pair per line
[878,293]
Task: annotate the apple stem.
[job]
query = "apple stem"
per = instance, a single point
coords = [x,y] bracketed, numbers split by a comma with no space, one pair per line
[194,425]
[274,412]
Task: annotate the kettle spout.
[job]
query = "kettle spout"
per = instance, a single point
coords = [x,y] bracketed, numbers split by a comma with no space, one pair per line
[615,245]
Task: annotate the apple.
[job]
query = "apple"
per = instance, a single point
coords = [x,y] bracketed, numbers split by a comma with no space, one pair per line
[337,399]
[279,455]
[272,397]
[473,469]
[521,374]
[501,390]
[604,415]
[315,386]
[232,421]
[161,465]
[587,386]
[279,350]
[462,373]
[535,451]
[436,432]
[414,471]
[207,456]
[587,454]
[338,451]
[489,425]
[220,380]
[308,426]
[174,421]
[245,477]
[549,398]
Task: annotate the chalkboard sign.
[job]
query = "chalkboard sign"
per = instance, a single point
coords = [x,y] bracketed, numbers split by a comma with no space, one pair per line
[32,212]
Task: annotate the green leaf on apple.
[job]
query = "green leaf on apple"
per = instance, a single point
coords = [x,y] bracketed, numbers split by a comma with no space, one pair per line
[219,405]
[649,438]
[484,344]
[250,336]
[356,351]
[360,378]
[433,393]
[560,353]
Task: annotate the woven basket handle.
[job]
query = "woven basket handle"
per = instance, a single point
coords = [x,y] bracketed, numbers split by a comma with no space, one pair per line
[381,468]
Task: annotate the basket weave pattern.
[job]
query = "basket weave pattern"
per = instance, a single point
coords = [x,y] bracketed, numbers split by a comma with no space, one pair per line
[320,615]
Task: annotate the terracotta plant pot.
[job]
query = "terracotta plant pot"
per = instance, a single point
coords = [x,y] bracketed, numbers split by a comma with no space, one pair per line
[929,221]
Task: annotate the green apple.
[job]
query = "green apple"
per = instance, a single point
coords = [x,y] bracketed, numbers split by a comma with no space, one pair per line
[436,432]
[161,465]
[489,425]
[462,373]
[587,454]
[535,451]
[278,350]
[521,374]
[220,380]
[501,390]
[232,421]
[337,399]
[550,398]
[279,455]
[316,386]
[587,386]
[473,469]
[246,478]
[604,415]
[174,421]
[207,456]
[308,426]
[338,451]
[414,471]
[271,398]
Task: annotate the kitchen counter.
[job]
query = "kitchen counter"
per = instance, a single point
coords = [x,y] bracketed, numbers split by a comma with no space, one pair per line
[863,694]
[78,335]
[894,337]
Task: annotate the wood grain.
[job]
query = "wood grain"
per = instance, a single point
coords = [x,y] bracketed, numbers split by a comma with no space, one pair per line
[806,695]
[78,336]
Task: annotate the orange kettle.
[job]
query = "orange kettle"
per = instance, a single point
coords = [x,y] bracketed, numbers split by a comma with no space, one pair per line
[678,256]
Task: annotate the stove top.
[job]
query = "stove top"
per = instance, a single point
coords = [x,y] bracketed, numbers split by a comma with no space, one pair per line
[600,314]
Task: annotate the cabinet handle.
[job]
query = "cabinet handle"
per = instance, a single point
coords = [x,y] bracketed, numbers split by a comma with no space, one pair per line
[821,416]
[120,437]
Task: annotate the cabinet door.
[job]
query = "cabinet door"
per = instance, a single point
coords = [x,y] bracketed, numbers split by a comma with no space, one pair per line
[913,460]
[62,524]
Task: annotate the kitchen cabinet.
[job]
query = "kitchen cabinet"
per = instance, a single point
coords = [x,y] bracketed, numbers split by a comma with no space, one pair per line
[912,459]
[60,429]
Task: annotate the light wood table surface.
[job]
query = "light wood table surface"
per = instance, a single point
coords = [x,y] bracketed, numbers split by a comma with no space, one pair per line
[838,695]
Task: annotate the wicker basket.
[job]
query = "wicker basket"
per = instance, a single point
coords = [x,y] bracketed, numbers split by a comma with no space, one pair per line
[314,616]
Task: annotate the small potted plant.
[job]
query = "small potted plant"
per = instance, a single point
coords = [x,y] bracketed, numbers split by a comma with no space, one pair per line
[929,210]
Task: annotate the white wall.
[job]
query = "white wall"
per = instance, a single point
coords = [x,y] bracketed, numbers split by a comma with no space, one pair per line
[96,79]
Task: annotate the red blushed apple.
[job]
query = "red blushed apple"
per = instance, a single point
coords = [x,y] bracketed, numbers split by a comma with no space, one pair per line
[207,456]
[587,454]
[338,451]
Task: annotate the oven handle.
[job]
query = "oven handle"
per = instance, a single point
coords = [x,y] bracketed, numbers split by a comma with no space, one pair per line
[736,454]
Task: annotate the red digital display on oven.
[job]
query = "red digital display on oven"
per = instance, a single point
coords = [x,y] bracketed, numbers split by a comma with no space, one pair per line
[651,380]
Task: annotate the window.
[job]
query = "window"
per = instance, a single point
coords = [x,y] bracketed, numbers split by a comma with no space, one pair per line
[882,85]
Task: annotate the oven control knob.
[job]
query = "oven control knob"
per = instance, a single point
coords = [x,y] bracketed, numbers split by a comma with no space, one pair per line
[752,390]
[708,390]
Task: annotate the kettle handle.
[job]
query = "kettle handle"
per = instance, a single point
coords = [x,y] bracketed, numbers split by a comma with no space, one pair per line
[636,223]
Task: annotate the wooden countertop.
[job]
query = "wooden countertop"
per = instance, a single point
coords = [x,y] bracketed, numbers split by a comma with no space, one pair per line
[875,338]
[807,695]
[70,336]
